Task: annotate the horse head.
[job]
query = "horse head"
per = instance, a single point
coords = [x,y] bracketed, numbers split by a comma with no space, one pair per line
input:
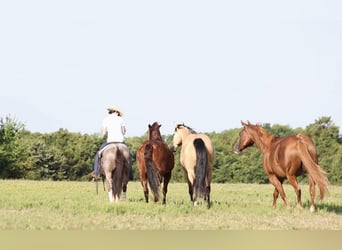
[178,136]
[181,131]
[154,132]
[245,139]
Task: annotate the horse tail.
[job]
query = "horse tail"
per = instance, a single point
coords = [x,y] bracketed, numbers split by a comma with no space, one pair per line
[152,173]
[118,172]
[201,169]
[318,175]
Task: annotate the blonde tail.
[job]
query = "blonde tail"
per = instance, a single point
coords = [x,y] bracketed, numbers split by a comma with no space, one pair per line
[318,175]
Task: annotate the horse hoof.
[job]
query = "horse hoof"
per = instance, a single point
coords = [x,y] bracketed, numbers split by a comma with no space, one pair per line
[312,209]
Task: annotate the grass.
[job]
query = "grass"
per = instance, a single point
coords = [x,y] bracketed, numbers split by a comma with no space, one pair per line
[44,205]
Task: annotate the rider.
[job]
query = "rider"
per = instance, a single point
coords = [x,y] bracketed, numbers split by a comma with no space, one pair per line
[113,128]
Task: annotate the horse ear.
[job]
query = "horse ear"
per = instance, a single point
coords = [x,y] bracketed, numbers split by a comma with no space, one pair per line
[149,126]
[243,124]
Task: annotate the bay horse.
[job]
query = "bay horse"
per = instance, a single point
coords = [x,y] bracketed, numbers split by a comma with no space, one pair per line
[197,157]
[285,158]
[155,161]
[115,166]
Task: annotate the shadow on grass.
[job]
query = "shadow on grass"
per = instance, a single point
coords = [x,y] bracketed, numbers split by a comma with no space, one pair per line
[328,207]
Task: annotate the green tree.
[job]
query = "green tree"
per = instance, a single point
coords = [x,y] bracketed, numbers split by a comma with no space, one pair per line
[65,155]
[327,140]
[76,150]
[10,151]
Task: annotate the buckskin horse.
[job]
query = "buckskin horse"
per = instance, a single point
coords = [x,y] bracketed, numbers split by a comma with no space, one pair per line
[155,161]
[285,158]
[115,166]
[197,157]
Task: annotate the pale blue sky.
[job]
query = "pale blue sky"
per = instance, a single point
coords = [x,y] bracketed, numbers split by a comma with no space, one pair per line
[208,64]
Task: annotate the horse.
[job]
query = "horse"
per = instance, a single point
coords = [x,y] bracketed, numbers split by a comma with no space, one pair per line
[115,161]
[155,161]
[285,158]
[197,157]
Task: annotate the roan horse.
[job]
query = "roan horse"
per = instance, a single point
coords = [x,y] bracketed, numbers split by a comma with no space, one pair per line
[155,162]
[285,158]
[115,165]
[197,158]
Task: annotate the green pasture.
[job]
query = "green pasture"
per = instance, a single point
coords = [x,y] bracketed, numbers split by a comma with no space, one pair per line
[47,205]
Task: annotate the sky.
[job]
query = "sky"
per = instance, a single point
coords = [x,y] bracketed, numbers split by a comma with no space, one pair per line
[208,64]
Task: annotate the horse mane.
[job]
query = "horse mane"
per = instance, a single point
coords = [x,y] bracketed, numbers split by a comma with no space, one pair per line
[192,131]
[261,137]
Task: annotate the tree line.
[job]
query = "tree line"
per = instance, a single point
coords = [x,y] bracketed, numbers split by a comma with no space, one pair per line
[65,155]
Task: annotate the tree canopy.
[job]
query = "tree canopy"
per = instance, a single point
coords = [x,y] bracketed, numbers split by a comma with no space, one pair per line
[65,155]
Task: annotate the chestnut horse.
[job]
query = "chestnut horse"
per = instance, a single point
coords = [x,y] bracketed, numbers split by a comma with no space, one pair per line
[115,163]
[197,158]
[285,158]
[155,162]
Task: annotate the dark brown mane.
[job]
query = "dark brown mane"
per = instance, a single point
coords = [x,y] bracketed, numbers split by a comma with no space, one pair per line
[192,131]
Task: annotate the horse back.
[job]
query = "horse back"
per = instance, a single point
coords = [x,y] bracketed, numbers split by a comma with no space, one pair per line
[162,156]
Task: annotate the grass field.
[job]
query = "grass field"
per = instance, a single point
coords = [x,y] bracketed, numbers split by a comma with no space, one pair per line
[44,205]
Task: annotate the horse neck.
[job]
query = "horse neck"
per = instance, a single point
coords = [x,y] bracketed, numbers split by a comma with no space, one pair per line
[262,139]
[184,134]
[155,136]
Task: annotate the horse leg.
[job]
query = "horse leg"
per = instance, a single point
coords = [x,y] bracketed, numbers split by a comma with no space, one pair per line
[125,180]
[109,182]
[312,194]
[124,190]
[167,178]
[145,189]
[207,196]
[275,197]
[192,192]
[278,185]
[293,181]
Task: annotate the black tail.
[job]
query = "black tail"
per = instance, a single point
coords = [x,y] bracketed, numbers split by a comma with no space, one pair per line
[201,169]
[152,173]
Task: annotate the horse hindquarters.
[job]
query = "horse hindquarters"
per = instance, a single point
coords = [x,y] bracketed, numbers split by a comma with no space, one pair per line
[201,171]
